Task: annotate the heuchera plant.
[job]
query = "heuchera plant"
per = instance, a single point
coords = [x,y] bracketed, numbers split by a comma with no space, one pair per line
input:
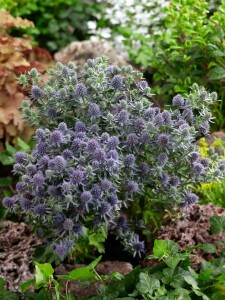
[17,56]
[100,142]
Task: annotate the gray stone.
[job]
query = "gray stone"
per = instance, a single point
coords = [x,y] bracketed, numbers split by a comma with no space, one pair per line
[80,52]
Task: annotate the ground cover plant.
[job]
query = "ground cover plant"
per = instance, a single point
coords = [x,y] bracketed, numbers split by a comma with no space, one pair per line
[170,277]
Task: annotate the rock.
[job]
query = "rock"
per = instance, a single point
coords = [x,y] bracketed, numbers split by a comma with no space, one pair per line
[107,267]
[74,287]
[103,268]
[80,52]
[17,245]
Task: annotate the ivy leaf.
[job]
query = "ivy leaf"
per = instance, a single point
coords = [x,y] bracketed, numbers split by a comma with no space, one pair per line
[82,273]
[191,280]
[160,248]
[217,224]
[174,260]
[42,274]
[147,284]
[79,274]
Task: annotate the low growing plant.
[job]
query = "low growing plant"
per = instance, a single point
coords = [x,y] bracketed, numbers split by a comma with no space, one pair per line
[170,277]
[103,143]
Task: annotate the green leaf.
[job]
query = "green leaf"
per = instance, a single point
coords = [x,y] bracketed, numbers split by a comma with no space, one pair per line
[82,273]
[160,248]
[216,73]
[97,240]
[23,146]
[191,280]
[42,274]
[94,263]
[6,295]
[205,275]
[46,268]
[199,293]
[209,248]
[6,159]
[173,261]
[25,285]
[10,149]
[148,284]
[217,224]
[125,298]
[172,247]
[5,181]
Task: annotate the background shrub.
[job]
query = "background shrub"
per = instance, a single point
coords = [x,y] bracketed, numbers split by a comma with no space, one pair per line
[178,43]
[57,23]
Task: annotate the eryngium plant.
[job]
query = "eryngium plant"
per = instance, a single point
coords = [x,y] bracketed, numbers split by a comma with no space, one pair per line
[116,136]
[72,180]
[116,101]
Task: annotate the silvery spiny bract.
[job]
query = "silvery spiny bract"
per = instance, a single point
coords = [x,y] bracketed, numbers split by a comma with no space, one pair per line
[153,152]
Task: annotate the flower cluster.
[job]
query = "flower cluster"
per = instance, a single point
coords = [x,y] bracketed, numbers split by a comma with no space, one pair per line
[142,18]
[71,180]
[120,145]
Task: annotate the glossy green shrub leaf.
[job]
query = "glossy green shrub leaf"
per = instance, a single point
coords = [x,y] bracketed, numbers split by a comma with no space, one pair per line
[217,73]
[217,224]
